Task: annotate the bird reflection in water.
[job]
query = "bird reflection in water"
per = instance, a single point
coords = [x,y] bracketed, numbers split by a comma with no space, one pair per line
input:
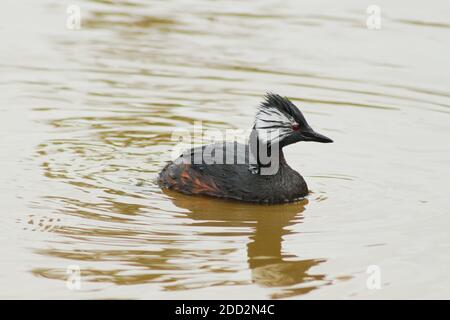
[108,254]
[269,265]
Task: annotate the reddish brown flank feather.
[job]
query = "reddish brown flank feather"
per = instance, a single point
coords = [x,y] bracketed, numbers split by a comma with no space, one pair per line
[184,178]
[197,183]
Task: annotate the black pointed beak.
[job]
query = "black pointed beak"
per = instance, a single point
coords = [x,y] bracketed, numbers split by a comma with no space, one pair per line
[311,135]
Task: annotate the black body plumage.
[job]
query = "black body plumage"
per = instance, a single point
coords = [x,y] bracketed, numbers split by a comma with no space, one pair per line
[233,181]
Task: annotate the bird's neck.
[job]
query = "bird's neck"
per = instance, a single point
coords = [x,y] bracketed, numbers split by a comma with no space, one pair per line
[264,158]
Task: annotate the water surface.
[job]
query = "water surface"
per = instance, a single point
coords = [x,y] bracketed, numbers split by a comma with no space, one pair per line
[86,118]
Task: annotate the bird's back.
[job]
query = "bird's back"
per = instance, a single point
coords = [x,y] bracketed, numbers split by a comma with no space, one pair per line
[222,170]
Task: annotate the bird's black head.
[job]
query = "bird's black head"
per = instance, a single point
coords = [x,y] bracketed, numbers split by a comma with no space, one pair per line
[278,120]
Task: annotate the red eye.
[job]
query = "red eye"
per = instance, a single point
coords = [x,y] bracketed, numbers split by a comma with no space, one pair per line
[295,127]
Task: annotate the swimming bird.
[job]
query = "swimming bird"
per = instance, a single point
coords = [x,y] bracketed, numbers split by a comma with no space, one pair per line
[253,172]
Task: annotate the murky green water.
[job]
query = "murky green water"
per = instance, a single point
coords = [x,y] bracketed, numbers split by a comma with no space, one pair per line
[86,118]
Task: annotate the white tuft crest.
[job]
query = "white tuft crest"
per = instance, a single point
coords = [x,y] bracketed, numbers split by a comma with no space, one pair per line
[273,125]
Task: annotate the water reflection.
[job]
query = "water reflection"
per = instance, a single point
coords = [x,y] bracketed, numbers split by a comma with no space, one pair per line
[270,266]
[118,250]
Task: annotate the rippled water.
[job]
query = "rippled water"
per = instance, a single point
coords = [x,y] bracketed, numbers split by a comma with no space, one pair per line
[86,118]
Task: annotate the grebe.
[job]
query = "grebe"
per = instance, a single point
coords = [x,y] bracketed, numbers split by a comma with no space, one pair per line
[258,171]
